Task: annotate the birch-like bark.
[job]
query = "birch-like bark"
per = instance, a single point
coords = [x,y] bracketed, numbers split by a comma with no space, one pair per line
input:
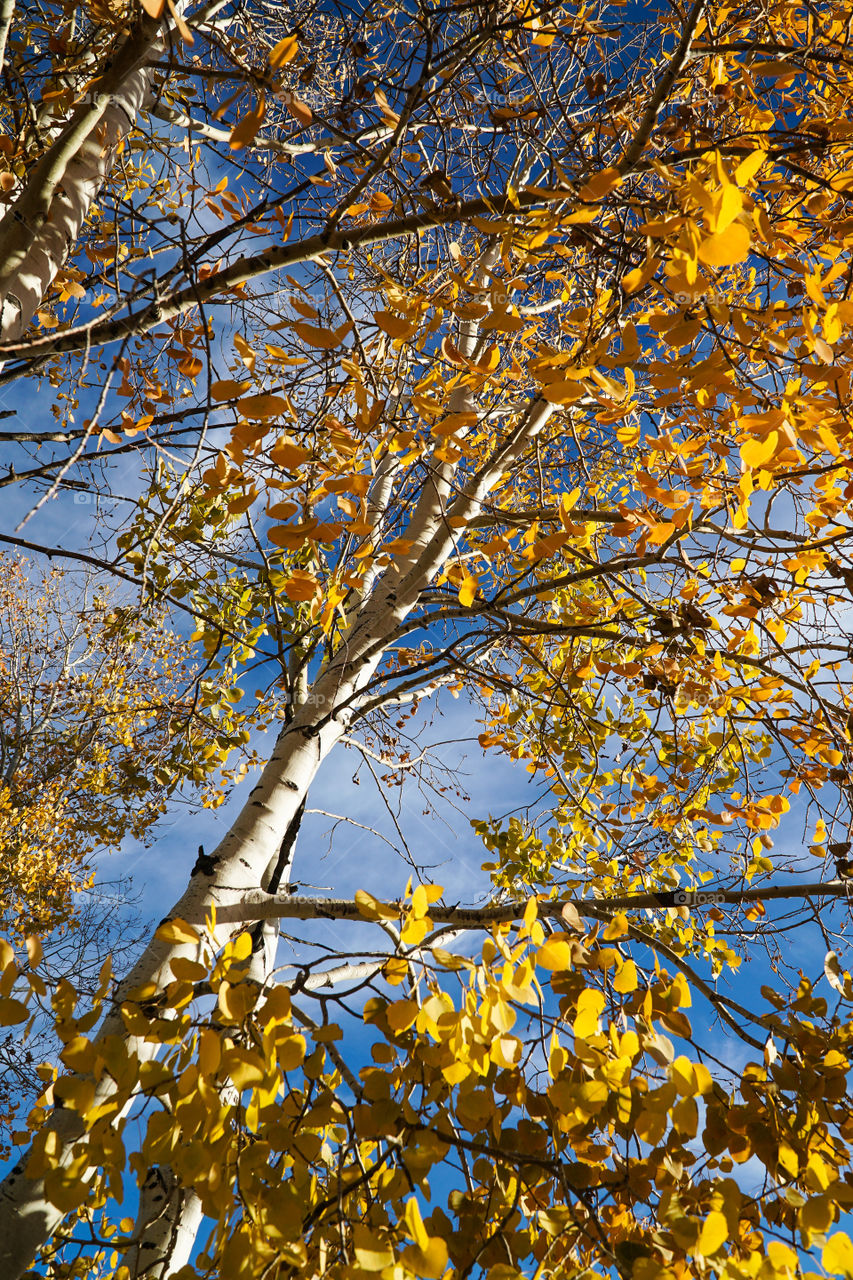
[169,1214]
[41,225]
[219,881]
[168,1221]
[246,857]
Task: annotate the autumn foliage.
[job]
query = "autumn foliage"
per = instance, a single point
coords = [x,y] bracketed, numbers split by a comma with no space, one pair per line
[494,351]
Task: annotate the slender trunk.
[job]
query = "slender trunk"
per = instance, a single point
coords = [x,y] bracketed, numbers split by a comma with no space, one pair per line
[169,1214]
[242,861]
[247,856]
[168,1221]
[42,224]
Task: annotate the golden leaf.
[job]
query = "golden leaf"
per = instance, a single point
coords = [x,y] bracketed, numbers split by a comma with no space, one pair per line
[468,591]
[244,132]
[262,406]
[12,1011]
[298,109]
[755,452]
[725,248]
[177,930]
[228,389]
[554,954]
[324,339]
[395,326]
[401,1014]
[282,52]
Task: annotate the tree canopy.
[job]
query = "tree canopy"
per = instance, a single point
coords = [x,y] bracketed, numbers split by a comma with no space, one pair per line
[399,351]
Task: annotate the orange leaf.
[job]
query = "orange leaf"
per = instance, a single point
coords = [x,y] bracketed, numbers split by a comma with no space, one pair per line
[245,130]
[283,52]
[298,109]
[395,326]
[289,455]
[301,586]
[325,339]
[228,389]
[262,406]
[726,247]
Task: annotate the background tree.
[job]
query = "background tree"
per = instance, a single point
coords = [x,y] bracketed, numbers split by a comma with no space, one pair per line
[553,411]
[98,727]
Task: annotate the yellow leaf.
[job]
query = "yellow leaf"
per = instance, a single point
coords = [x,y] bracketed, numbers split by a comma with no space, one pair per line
[237,1001]
[554,954]
[420,902]
[395,970]
[244,1068]
[372,909]
[837,1256]
[616,928]
[401,1014]
[283,52]
[755,452]
[731,205]
[34,951]
[452,423]
[600,184]
[415,1224]
[414,931]
[590,1005]
[725,247]
[565,392]
[187,970]
[276,1008]
[324,339]
[683,1076]
[177,930]
[262,406]
[468,591]
[291,1052]
[429,1262]
[748,168]
[373,1258]
[714,1233]
[66,1188]
[626,979]
[12,1011]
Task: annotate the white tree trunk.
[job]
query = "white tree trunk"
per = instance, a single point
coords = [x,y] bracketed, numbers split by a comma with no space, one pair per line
[240,863]
[168,1221]
[245,857]
[39,228]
